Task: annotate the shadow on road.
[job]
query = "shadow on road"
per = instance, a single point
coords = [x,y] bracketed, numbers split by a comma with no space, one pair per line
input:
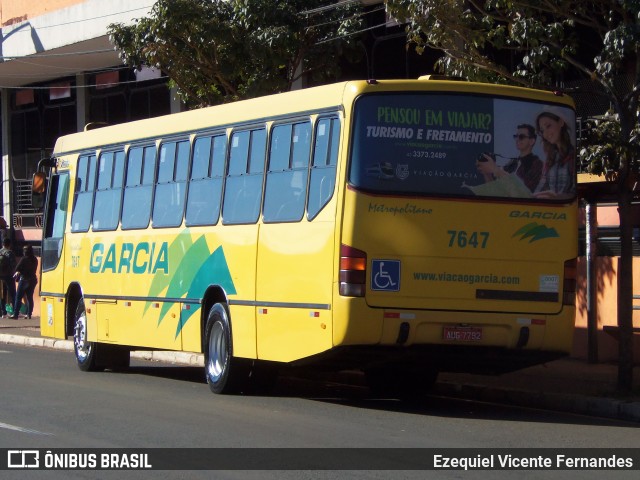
[317,387]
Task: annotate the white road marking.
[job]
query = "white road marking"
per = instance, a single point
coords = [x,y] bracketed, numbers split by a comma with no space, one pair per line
[22,429]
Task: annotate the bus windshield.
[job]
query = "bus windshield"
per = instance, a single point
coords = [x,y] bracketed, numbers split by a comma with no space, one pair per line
[463,145]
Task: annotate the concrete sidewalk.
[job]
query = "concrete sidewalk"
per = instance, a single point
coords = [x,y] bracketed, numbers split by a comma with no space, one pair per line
[563,385]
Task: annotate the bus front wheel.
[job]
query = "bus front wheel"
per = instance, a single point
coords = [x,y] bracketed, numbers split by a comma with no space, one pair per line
[84,350]
[94,356]
[225,373]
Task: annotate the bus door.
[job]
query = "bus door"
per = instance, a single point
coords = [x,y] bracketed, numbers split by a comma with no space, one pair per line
[53,257]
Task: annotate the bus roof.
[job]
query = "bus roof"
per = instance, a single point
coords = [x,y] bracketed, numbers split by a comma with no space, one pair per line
[330,97]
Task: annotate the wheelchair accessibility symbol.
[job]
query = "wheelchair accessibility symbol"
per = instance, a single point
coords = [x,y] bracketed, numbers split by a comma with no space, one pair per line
[385,275]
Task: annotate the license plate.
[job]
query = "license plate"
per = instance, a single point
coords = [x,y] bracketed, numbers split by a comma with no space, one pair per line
[462,334]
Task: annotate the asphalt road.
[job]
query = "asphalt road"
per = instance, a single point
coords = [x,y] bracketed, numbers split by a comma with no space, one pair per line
[47,402]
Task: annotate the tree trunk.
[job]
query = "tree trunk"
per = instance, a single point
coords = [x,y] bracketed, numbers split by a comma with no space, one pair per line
[625,288]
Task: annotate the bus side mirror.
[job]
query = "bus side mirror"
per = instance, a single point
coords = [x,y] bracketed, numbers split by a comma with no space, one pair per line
[38,190]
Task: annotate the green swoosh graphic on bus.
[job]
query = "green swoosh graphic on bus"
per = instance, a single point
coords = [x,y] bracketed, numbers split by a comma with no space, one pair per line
[190,275]
[177,250]
[535,232]
[214,270]
[185,271]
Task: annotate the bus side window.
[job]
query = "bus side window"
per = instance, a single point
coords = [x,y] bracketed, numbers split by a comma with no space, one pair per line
[205,184]
[243,190]
[136,206]
[83,193]
[323,169]
[286,187]
[106,210]
[173,163]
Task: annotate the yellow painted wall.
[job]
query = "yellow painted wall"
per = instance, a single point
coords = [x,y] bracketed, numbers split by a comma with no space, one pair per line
[16,11]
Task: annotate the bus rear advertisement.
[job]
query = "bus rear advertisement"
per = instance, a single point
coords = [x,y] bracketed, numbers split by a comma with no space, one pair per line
[400,227]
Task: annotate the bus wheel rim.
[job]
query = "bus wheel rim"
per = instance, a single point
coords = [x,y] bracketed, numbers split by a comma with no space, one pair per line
[217,351]
[83,347]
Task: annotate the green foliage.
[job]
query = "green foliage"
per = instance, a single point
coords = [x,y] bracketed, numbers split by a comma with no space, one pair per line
[602,143]
[604,146]
[539,43]
[217,51]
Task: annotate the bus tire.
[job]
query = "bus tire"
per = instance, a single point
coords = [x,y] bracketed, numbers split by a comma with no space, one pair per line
[85,351]
[224,372]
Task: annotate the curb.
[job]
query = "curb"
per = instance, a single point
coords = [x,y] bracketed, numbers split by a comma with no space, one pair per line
[560,402]
[178,358]
[36,342]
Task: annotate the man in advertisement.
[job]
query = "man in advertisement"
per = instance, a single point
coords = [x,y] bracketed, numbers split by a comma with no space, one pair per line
[527,166]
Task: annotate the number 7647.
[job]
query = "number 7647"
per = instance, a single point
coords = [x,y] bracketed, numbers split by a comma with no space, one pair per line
[464,239]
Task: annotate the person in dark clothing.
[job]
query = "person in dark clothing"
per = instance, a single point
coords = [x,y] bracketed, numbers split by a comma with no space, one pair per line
[527,166]
[7,268]
[27,281]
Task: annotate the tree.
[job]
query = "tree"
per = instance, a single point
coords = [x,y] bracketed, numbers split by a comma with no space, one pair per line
[217,51]
[540,43]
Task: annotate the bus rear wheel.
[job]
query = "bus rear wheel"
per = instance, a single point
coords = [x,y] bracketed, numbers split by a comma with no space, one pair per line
[224,372]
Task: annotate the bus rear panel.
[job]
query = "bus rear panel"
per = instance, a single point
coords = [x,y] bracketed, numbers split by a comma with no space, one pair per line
[440,261]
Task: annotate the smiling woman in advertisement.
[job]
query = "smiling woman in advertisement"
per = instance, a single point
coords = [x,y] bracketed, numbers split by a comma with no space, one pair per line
[558,180]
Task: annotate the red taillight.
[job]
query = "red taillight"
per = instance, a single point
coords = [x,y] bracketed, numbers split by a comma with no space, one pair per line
[569,284]
[353,272]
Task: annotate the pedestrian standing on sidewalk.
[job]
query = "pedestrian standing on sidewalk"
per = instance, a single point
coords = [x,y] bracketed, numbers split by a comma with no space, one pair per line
[27,281]
[7,269]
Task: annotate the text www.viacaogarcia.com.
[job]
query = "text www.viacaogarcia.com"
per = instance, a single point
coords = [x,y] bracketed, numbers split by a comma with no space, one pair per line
[471,279]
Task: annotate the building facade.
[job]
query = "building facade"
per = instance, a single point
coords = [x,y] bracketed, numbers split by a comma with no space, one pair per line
[59,73]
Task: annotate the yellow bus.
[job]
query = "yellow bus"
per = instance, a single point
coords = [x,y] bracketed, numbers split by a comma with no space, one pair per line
[395,227]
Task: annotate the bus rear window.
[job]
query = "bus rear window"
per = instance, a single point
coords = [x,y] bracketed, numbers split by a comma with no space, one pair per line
[463,145]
